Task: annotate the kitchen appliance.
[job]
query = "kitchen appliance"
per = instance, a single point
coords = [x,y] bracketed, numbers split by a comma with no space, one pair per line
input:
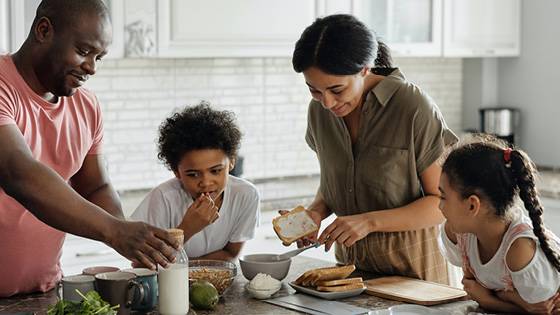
[501,122]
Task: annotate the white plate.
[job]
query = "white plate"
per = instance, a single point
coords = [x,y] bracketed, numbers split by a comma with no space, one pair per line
[327,295]
[411,309]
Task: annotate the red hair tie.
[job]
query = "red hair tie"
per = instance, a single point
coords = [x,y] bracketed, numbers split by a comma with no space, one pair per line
[507,156]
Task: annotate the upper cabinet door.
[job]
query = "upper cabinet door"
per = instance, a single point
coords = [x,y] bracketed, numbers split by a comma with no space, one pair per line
[4,27]
[481,28]
[23,12]
[225,28]
[408,27]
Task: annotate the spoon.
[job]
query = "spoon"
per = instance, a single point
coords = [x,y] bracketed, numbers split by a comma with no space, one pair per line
[295,252]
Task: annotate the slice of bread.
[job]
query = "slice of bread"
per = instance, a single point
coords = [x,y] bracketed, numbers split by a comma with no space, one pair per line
[294,225]
[341,288]
[313,276]
[346,281]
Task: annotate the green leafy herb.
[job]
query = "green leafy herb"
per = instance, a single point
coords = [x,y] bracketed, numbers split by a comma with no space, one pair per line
[92,304]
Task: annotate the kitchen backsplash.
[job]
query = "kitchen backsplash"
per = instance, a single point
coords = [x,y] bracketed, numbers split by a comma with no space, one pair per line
[269,99]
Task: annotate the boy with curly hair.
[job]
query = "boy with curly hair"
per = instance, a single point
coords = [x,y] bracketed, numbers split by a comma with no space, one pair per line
[218,212]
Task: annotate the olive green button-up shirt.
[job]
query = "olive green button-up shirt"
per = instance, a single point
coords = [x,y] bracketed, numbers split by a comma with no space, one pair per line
[401,133]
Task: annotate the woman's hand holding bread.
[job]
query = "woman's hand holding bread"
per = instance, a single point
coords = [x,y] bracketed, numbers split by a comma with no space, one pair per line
[346,230]
[298,225]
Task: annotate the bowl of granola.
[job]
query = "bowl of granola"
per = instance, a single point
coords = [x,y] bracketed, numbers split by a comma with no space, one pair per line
[219,273]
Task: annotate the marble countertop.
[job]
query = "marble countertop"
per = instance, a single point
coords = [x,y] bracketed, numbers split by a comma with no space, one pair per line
[237,301]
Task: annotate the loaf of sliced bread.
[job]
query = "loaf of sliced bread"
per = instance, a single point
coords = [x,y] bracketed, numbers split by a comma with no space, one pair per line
[313,276]
[332,283]
[341,288]
[294,225]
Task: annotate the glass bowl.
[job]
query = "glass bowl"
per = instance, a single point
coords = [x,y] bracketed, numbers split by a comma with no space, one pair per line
[218,272]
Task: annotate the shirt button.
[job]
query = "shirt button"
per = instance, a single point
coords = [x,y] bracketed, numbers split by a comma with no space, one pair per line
[350,190]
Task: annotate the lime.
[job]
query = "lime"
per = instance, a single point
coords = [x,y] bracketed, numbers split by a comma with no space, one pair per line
[203,295]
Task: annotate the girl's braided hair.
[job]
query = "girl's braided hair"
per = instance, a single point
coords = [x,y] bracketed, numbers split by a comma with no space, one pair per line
[496,173]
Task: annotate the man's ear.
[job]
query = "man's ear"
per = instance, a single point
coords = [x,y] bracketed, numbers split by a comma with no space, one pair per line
[43,30]
[176,172]
[473,202]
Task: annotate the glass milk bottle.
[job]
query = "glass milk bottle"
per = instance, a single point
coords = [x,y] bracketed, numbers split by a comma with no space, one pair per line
[173,282]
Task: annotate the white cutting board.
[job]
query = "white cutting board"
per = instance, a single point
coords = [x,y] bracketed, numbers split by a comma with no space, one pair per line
[413,290]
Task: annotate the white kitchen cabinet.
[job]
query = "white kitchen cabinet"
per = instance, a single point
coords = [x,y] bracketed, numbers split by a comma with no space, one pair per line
[481,28]
[22,13]
[4,26]
[408,27]
[225,28]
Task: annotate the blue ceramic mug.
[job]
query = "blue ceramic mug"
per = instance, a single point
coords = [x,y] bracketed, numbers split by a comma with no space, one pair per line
[148,279]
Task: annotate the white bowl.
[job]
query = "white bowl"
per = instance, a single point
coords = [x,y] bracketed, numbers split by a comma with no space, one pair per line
[261,294]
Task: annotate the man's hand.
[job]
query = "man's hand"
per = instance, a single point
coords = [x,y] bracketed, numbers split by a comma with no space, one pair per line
[346,230]
[199,215]
[143,244]
[311,238]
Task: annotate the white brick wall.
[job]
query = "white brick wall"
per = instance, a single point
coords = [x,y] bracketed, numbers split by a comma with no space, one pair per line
[268,97]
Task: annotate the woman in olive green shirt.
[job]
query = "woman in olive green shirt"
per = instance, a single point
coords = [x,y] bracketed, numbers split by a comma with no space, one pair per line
[378,138]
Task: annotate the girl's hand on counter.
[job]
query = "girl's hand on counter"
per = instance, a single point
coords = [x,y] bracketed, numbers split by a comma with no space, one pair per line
[346,230]
[549,306]
[477,292]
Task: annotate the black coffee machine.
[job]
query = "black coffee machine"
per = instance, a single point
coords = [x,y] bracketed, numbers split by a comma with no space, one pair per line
[501,122]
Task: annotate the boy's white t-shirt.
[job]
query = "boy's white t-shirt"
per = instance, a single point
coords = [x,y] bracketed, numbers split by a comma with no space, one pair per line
[166,205]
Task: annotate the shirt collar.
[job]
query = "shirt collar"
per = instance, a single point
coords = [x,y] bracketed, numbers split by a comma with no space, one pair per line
[385,89]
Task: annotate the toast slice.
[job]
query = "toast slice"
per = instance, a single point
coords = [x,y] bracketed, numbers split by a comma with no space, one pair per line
[342,288]
[311,277]
[294,225]
[332,283]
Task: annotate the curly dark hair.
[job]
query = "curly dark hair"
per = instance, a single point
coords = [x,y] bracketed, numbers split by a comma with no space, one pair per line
[478,167]
[195,128]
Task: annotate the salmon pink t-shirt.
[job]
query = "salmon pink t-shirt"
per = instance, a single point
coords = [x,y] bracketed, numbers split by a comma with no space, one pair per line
[59,136]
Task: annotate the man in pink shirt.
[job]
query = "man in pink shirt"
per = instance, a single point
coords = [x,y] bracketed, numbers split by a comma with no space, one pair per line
[52,178]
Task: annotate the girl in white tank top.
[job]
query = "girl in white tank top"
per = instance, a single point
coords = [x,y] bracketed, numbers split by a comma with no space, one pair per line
[510,261]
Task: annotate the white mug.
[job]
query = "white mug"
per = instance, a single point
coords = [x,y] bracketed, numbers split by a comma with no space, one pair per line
[83,283]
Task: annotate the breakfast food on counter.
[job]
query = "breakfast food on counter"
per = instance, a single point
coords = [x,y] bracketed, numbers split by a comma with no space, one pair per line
[357,284]
[203,295]
[311,277]
[330,283]
[331,279]
[263,281]
[294,225]
[220,278]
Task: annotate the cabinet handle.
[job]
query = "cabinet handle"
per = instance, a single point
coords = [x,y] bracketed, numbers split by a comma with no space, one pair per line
[94,253]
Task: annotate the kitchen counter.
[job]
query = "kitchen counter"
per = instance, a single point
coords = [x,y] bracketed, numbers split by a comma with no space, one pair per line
[237,301]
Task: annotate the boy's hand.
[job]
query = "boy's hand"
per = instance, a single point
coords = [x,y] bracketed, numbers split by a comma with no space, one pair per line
[200,214]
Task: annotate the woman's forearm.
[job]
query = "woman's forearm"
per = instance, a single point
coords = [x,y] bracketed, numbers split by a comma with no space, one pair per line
[420,214]
[318,205]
